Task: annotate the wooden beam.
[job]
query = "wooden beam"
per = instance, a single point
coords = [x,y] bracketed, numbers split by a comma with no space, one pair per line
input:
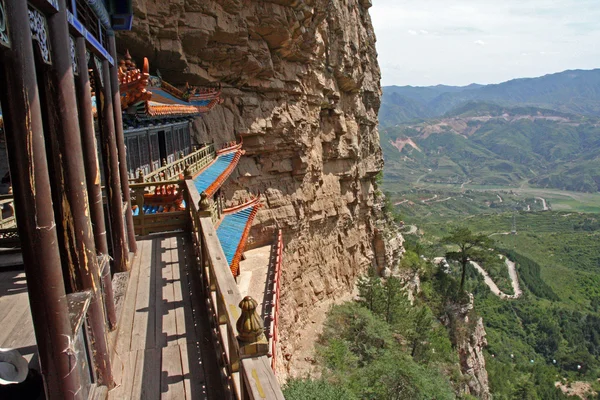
[110,155]
[63,106]
[120,138]
[92,174]
[33,207]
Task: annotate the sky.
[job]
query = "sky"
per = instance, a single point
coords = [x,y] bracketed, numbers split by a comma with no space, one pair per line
[458,42]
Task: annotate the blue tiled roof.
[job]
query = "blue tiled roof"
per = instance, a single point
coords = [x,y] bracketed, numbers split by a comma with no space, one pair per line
[160,96]
[230,231]
[210,174]
[200,103]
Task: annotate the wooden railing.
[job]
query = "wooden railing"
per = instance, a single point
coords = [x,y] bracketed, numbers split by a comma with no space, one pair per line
[248,371]
[7,216]
[193,162]
[273,317]
[163,221]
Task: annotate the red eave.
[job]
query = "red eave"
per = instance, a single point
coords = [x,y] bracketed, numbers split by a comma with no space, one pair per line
[158,109]
[223,177]
[235,263]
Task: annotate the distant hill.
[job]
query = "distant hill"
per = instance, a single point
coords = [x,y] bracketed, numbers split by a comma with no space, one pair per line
[490,144]
[574,91]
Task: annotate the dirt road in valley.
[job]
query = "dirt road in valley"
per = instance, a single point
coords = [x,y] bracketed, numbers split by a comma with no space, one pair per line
[412,229]
[512,271]
[543,203]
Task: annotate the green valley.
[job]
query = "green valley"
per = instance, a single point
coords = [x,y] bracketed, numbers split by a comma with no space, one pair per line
[523,170]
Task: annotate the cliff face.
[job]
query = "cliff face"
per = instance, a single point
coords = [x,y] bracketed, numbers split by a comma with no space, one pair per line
[469,337]
[301,85]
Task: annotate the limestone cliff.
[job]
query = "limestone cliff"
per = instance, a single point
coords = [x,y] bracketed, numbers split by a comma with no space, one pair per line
[468,335]
[301,86]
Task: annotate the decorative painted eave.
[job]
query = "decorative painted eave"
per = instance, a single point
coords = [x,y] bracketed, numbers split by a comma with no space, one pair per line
[211,178]
[133,82]
[234,229]
[153,97]
[154,109]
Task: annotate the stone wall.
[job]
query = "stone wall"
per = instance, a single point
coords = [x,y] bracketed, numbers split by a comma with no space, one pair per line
[301,86]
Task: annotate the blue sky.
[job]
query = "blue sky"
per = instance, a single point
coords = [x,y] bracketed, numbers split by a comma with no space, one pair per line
[457,42]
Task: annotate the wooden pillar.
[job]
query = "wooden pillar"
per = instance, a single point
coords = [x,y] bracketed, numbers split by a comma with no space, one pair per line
[118,114]
[110,155]
[33,207]
[64,106]
[92,174]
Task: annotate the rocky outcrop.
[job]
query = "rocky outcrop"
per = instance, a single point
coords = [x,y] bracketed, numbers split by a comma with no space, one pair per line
[472,362]
[301,87]
[469,337]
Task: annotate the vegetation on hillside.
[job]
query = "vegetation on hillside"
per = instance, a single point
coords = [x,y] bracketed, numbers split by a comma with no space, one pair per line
[487,144]
[569,91]
[382,347]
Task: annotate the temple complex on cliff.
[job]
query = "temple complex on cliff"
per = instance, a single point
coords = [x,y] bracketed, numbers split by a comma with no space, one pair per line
[121,261]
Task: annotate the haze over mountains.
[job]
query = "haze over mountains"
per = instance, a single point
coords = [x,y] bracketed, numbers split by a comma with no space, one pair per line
[542,132]
[574,91]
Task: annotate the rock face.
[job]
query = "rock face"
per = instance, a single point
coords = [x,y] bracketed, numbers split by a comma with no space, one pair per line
[301,86]
[469,338]
[472,362]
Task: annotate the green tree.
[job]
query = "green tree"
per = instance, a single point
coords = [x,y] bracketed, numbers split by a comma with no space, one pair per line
[371,292]
[308,389]
[395,300]
[470,247]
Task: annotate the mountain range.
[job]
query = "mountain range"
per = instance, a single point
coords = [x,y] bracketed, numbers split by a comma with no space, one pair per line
[573,91]
[489,144]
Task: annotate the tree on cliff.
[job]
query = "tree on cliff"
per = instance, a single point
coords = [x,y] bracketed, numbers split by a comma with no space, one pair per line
[470,247]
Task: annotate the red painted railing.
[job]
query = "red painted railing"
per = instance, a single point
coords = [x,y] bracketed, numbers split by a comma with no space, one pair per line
[274,316]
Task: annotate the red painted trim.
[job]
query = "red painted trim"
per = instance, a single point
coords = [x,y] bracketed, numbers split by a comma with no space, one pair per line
[240,207]
[274,317]
[230,149]
[235,262]
[223,177]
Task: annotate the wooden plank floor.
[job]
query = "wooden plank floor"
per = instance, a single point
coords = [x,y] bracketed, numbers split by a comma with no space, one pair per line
[16,327]
[164,348]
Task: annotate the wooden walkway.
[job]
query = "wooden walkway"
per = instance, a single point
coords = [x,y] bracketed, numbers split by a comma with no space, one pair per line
[164,348]
[16,327]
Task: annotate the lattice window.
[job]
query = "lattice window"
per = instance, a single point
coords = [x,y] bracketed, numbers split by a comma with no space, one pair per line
[133,150]
[169,143]
[155,151]
[88,18]
[144,153]
[179,146]
[186,138]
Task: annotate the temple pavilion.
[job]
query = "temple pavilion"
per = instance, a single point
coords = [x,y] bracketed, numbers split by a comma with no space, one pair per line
[121,266]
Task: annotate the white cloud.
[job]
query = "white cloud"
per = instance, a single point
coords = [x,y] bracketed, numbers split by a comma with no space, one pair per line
[566,29]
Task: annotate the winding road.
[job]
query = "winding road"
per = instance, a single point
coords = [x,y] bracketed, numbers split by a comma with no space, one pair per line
[412,230]
[512,271]
[543,203]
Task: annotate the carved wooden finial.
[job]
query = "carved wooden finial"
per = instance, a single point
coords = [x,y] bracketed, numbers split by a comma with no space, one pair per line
[250,327]
[187,172]
[204,204]
[140,177]
[164,162]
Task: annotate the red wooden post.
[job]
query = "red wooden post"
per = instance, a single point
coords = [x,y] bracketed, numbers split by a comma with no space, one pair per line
[92,174]
[110,155]
[64,106]
[120,138]
[33,207]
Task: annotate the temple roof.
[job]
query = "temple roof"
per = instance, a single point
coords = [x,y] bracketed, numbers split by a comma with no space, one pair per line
[233,232]
[211,178]
[150,96]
